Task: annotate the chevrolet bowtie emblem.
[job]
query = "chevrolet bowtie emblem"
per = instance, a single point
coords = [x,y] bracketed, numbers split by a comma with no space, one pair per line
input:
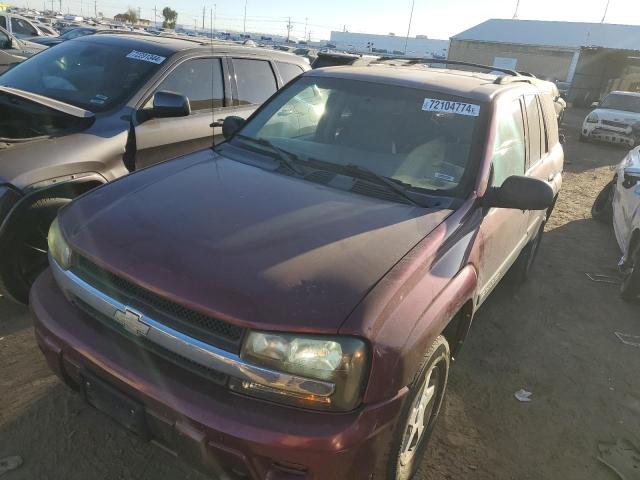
[131,321]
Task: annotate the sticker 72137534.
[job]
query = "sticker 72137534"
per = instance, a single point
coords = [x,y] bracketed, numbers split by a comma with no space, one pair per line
[448,106]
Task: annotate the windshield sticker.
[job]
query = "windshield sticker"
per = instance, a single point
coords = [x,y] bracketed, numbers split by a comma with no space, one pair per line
[459,108]
[446,178]
[99,99]
[146,57]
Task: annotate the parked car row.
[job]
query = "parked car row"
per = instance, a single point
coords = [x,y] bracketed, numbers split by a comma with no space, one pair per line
[14,50]
[287,302]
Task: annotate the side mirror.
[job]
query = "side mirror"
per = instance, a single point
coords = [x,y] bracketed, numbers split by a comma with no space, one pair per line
[231,126]
[631,177]
[521,193]
[595,104]
[169,105]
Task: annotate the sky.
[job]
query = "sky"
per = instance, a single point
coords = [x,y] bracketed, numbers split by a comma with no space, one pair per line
[434,18]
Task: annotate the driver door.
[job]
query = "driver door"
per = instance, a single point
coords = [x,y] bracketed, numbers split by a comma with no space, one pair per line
[503,230]
[201,80]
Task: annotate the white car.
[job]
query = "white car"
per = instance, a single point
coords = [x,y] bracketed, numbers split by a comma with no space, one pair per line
[616,119]
[626,222]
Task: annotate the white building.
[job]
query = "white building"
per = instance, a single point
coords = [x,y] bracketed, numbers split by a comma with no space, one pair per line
[419,46]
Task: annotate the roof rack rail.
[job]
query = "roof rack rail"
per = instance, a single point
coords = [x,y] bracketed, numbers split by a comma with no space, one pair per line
[417,60]
[505,79]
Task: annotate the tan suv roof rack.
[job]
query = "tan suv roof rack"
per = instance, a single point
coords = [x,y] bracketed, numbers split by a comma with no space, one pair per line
[508,77]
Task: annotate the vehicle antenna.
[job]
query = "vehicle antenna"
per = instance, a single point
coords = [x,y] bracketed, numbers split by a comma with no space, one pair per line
[214,124]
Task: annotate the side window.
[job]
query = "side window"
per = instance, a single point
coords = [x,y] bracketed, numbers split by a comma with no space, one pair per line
[255,80]
[200,80]
[544,140]
[550,120]
[22,28]
[3,22]
[5,41]
[533,125]
[288,71]
[508,150]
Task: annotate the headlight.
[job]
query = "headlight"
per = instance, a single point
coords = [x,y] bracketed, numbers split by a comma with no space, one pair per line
[58,247]
[342,361]
[592,118]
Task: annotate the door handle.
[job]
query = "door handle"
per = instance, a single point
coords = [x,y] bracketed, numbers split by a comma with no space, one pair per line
[551,177]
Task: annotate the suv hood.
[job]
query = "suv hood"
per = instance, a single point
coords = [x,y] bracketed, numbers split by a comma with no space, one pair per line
[243,244]
[622,116]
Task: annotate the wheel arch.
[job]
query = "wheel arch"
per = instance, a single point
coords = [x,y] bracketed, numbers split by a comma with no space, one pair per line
[69,189]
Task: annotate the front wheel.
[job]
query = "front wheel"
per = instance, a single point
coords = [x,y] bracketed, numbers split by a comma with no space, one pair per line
[630,288]
[23,253]
[419,414]
[602,208]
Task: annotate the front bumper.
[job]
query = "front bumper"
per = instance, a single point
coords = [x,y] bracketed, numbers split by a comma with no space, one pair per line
[208,426]
[596,131]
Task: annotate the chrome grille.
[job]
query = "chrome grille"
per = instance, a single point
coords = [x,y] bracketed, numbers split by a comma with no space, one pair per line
[211,330]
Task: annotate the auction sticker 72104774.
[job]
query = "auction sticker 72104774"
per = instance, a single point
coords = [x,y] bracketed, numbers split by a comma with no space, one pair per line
[448,106]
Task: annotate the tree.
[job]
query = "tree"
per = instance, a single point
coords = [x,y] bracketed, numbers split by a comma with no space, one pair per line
[132,14]
[170,18]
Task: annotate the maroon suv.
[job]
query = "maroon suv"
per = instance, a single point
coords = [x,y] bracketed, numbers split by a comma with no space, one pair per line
[286,305]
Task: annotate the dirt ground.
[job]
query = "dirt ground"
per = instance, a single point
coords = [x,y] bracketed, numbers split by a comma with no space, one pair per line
[553,337]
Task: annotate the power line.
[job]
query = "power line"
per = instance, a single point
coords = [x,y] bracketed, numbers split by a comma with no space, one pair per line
[406,40]
[606,9]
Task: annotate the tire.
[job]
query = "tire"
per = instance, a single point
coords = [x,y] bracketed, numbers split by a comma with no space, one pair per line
[24,251]
[521,269]
[407,448]
[630,288]
[602,208]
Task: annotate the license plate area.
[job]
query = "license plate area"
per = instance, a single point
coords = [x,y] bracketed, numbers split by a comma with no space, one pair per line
[124,410]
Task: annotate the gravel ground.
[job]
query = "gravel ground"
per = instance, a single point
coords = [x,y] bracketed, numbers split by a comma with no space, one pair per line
[553,337]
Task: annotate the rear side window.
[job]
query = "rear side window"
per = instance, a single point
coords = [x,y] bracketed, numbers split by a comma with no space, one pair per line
[3,22]
[534,118]
[550,120]
[288,71]
[508,150]
[255,80]
[200,80]
[22,28]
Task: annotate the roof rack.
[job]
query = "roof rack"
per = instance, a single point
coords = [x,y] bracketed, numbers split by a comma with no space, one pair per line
[508,77]
[115,31]
[416,60]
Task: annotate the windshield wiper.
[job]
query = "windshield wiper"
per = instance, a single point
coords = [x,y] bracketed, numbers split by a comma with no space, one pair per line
[366,174]
[286,158]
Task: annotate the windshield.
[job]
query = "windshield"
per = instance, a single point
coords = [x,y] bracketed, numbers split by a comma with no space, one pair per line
[420,138]
[627,103]
[93,76]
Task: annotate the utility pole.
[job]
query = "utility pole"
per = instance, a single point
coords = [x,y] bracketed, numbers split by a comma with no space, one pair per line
[213,23]
[155,17]
[515,14]
[606,9]
[203,14]
[306,21]
[95,8]
[244,28]
[309,37]
[289,28]
[139,14]
[406,40]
